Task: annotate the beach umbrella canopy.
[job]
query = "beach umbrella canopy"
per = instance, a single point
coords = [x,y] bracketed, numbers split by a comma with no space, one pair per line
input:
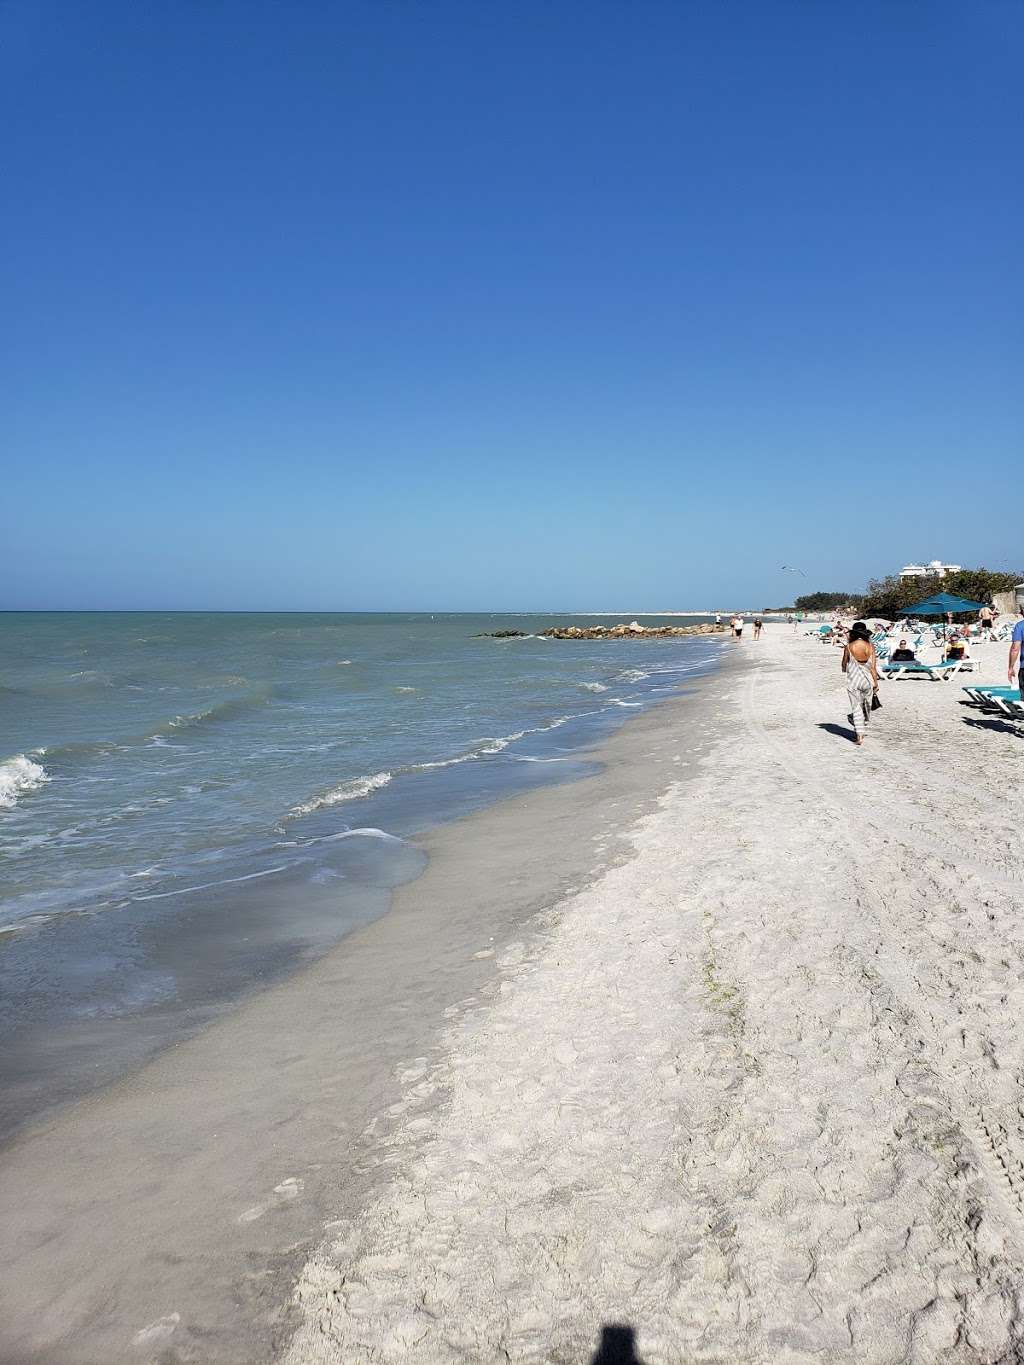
[939,604]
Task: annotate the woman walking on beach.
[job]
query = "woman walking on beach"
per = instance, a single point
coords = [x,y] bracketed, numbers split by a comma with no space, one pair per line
[860,664]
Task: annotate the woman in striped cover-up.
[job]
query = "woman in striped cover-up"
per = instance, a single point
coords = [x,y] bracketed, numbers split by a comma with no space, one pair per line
[860,664]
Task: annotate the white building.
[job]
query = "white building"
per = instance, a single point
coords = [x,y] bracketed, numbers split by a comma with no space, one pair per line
[936,569]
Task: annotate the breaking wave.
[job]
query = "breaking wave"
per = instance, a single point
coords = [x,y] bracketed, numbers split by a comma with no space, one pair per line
[213,715]
[488,746]
[346,791]
[17,776]
[358,787]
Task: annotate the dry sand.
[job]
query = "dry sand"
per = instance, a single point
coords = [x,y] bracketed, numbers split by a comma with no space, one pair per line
[756,1092]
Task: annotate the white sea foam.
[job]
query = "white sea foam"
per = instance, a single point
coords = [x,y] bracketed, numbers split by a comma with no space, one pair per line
[678,668]
[617,701]
[495,746]
[18,775]
[346,791]
[490,745]
[444,762]
[499,742]
[594,687]
[366,832]
[205,886]
[363,786]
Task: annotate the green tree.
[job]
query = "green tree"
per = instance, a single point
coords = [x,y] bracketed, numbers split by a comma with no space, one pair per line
[825,601]
[890,596]
[980,585]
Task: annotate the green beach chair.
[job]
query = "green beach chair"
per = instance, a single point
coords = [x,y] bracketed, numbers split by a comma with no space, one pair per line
[993,698]
[937,672]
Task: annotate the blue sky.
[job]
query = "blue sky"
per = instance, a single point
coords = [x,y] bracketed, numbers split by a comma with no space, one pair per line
[461,305]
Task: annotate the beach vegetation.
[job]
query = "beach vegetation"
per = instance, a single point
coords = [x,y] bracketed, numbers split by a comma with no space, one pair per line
[825,601]
[888,597]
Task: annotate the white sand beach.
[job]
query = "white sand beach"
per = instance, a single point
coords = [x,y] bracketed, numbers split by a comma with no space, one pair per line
[755,1092]
[720,1045]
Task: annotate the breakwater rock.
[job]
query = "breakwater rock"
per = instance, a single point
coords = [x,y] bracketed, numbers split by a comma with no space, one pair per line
[634,631]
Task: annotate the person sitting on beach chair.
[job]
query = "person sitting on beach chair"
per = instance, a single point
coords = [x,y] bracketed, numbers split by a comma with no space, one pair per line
[903,655]
[956,649]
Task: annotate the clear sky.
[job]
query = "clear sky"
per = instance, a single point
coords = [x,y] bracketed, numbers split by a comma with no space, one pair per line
[557,303]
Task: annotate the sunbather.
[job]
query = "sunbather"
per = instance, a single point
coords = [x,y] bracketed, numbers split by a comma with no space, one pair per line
[956,649]
[903,654]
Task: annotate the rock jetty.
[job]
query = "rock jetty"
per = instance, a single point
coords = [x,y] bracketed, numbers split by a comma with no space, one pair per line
[633,631]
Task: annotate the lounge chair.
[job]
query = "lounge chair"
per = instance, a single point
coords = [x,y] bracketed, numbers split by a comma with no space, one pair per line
[967,664]
[940,672]
[993,698]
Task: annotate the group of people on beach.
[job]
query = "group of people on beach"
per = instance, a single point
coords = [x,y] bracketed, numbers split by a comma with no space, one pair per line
[737,623]
[954,649]
[860,661]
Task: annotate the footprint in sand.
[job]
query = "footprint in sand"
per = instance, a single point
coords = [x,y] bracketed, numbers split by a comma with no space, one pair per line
[288,1189]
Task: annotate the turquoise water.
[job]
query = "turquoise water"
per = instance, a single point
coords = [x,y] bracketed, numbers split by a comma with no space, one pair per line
[193,802]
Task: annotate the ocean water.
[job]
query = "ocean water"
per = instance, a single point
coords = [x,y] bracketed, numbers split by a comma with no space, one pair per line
[193,803]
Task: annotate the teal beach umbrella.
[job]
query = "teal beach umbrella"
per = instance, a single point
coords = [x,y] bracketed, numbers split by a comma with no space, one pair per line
[940,604]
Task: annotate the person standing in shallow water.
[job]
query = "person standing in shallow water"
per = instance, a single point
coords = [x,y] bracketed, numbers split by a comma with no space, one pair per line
[860,664]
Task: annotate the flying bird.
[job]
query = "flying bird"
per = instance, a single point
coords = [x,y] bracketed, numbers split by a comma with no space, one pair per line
[788,568]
